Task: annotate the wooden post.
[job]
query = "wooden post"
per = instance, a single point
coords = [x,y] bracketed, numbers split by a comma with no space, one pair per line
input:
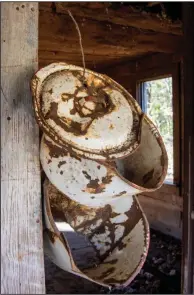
[22,264]
[188,156]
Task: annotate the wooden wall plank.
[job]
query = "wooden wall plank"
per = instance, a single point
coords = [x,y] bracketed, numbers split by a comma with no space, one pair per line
[162,216]
[127,72]
[94,62]
[188,151]
[22,264]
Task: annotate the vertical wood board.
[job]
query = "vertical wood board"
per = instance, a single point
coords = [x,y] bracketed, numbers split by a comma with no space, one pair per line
[188,150]
[22,264]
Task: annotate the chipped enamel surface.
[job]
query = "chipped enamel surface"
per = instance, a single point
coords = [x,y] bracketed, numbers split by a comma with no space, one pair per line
[120,246]
[95,183]
[98,151]
[86,115]
[56,245]
[85,181]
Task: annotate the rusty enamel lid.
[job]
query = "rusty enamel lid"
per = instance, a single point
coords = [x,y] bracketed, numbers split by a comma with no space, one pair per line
[94,116]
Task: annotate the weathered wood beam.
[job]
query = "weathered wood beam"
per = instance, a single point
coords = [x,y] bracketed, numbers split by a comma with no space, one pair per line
[188,151]
[22,264]
[58,39]
[125,16]
[126,72]
[93,62]
[148,62]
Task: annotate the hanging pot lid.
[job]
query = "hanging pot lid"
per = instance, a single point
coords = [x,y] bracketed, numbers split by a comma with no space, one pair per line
[94,116]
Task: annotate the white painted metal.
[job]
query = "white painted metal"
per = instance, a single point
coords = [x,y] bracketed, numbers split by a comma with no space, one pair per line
[95,183]
[73,177]
[127,240]
[83,180]
[90,118]
[86,123]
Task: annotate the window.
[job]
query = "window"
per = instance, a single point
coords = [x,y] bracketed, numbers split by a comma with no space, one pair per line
[157,102]
[158,89]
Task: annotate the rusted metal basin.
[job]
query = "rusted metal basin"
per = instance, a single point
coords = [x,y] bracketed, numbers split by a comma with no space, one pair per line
[95,117]
[97,183]
[118,233]
[97,199]
[98,151]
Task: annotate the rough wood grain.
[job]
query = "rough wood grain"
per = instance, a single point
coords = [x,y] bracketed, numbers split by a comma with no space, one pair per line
[188,151]
[58,40]
[126,16]
[162,216]
[22,264]
[129,72]
[94,62]
[140,66]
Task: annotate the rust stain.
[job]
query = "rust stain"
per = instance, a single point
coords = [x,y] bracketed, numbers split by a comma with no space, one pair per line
[95,89]
[114,261]
[107,179]
[65,123]
[134,215]
[66,96]
[120,194]
[71,210]
[121,246]
[106,273]
[34,84]
[52,236]
[61,163]
[56,151]
[95,186]
[95,94]
[86,175]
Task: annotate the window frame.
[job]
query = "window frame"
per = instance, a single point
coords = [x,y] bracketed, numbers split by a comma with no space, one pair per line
[157,72]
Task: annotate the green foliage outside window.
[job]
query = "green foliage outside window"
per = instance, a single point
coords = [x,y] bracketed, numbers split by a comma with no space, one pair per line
[158,106]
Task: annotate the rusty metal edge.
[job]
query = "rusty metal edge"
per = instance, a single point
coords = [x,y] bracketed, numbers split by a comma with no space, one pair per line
[165,167]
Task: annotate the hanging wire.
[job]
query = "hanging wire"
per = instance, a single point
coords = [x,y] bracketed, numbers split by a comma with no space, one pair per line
[80,41]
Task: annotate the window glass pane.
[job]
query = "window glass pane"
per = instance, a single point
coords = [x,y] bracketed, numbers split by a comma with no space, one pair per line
[157,104]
